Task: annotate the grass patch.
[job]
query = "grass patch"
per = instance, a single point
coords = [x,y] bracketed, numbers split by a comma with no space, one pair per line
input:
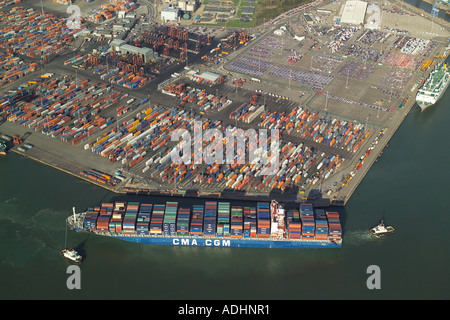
[264,11]
[268,9]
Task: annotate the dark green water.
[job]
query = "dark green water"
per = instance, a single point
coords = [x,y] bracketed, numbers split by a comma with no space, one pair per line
[409,186]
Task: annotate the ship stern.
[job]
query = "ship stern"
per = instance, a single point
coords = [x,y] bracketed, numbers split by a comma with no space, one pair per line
[423,105]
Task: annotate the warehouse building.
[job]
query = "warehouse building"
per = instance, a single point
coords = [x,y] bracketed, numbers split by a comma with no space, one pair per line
[116,43]
[353,12]
[147,54]
[170,14]
[207,77]
[188,6]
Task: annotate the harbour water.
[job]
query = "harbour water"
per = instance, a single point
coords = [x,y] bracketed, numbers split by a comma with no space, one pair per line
[427,8]
[408,186]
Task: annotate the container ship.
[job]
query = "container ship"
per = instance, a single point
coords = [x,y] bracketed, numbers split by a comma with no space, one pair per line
[217,224]
[434,87]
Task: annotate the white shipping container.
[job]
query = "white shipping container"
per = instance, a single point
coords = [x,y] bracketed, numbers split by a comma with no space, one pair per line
[165,158]
[320,164]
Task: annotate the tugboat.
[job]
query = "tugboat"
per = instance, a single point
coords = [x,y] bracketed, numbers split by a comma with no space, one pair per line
[72,256]
[381,229]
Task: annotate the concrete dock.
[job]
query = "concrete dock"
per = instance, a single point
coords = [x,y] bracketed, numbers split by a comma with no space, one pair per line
[378,97]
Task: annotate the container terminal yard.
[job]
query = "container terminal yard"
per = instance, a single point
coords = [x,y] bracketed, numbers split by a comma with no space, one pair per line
[336,78]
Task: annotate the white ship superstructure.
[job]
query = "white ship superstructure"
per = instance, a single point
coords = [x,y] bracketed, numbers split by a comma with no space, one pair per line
[434,87]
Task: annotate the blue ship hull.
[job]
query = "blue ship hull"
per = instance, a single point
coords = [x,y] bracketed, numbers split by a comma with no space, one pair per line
[224,242]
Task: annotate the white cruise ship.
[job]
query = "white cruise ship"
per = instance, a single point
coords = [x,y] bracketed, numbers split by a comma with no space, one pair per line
[434,87]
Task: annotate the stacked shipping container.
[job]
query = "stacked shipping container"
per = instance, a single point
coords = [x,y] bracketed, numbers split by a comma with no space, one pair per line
[322,129]
[236,222]
[223,219]
[52,106]
[112,72]
[66,2]
[34,34]
[308,223]
[263,220]
[108,10]
[334,225]
[100,177]
[130,217]
[247,112]
[197,96]
[90,219]
[143,219]
[115,223]
[210,220]
[294,224]
[196,228]
[321,225]
[4,3]
[183,221]
[170,217]
[106,211]
[249,222]
[13,68]
[67,111]
[156,221]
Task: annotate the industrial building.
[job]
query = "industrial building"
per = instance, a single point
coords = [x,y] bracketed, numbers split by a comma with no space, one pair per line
[207,77]
[188,6]
[147,54]
[170,14]
[353,12]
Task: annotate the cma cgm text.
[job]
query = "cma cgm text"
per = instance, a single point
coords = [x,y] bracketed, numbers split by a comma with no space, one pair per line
[208,242]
